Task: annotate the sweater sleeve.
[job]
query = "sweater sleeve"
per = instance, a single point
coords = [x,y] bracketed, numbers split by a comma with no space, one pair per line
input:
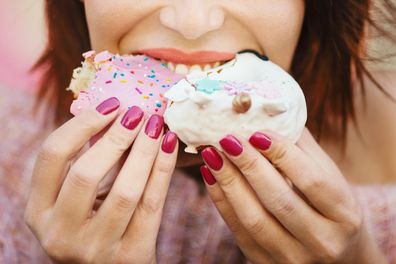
[378,203]
[18,142]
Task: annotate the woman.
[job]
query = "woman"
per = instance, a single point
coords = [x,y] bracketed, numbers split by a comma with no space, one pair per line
[314,216]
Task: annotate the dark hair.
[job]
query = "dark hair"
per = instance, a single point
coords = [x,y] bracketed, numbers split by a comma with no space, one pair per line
[328,62]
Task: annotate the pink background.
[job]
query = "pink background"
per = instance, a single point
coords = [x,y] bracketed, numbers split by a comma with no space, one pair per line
[22,39]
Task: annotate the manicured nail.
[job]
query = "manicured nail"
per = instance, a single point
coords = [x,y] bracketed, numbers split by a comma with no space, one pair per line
[132,117]
[212,158]
[108,106]
[260,141]
[231,145]
[207,175]
[169,142]
[154,126]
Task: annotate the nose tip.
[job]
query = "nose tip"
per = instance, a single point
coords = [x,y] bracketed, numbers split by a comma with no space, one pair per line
[192,22]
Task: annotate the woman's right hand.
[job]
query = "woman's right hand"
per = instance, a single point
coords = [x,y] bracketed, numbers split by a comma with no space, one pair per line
[125,227]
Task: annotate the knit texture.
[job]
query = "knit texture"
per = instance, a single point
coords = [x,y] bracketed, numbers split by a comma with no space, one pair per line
[191,231]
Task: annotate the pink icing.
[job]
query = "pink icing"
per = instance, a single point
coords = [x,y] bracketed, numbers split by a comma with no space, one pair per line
[134,80]
[265,89]
[261,88]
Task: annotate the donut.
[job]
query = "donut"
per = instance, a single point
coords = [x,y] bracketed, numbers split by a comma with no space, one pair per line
[134,80]
[243,96]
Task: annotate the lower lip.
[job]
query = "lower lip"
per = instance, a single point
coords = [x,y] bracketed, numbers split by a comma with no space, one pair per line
[180,57]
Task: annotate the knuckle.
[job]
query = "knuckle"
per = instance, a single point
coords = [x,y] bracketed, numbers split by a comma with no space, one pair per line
[254,225]
[228,181]
[234,225]
[79,179]
[312,184]
[125,200]
[148,153]
[88,256]
[249,165]
[354,223]
[117,140]
[56,248]
[163,167]
[88,120]
[295,253]
[330,254]
[281,153]
[219,199]
[329,250]
[283,204]
[51,150]
[151,203]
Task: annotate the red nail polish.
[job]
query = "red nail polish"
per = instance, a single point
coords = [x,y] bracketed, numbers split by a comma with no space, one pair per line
[207,175]
[231,145]
[169,142]
[260,141]
[212,158]
[108,106]
[154,126]
[132,117]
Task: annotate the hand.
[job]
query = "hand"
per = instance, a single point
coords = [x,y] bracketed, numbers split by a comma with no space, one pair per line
[60,206]
[284,203]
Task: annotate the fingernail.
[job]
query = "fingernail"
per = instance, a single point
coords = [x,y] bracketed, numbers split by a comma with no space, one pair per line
[108,106]
[132,117]
[169,142]
[212,158]
[207,175]
[260,141]
[154,126]
[231,145]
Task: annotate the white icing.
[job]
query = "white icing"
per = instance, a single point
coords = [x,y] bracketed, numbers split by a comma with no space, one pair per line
[278,104]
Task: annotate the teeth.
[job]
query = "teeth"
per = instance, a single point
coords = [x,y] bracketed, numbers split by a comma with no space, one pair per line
[195,68]
[184,69]
[171,66]
[207,67]
[181,69]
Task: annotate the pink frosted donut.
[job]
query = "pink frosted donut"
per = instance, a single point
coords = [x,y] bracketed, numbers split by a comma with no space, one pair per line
[134,80]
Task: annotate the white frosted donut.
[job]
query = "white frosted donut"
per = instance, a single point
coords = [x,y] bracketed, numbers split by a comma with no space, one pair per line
[245,95]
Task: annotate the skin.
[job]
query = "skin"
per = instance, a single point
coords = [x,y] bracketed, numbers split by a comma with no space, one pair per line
[308,225]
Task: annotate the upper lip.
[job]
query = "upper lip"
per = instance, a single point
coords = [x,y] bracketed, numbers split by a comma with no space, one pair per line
[189,58]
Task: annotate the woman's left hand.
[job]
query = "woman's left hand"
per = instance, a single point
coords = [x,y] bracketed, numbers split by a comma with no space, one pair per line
[284,203]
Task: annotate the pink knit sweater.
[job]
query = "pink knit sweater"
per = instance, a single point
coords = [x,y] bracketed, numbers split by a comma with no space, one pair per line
[191,231]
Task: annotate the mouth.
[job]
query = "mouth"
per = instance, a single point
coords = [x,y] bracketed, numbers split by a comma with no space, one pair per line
[184,63]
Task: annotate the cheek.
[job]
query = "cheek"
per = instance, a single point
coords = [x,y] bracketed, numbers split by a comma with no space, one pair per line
[108,21]
[278,27]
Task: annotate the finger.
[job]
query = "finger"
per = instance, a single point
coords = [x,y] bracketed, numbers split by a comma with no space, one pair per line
[247,244]
[327,193]
[278,198]
[116,211]
[146,219]
[61,146]
[260,224]
[308,144]
[79,190]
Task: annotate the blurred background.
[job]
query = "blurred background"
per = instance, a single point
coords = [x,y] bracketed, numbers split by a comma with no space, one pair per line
[22,40]
[23,36]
